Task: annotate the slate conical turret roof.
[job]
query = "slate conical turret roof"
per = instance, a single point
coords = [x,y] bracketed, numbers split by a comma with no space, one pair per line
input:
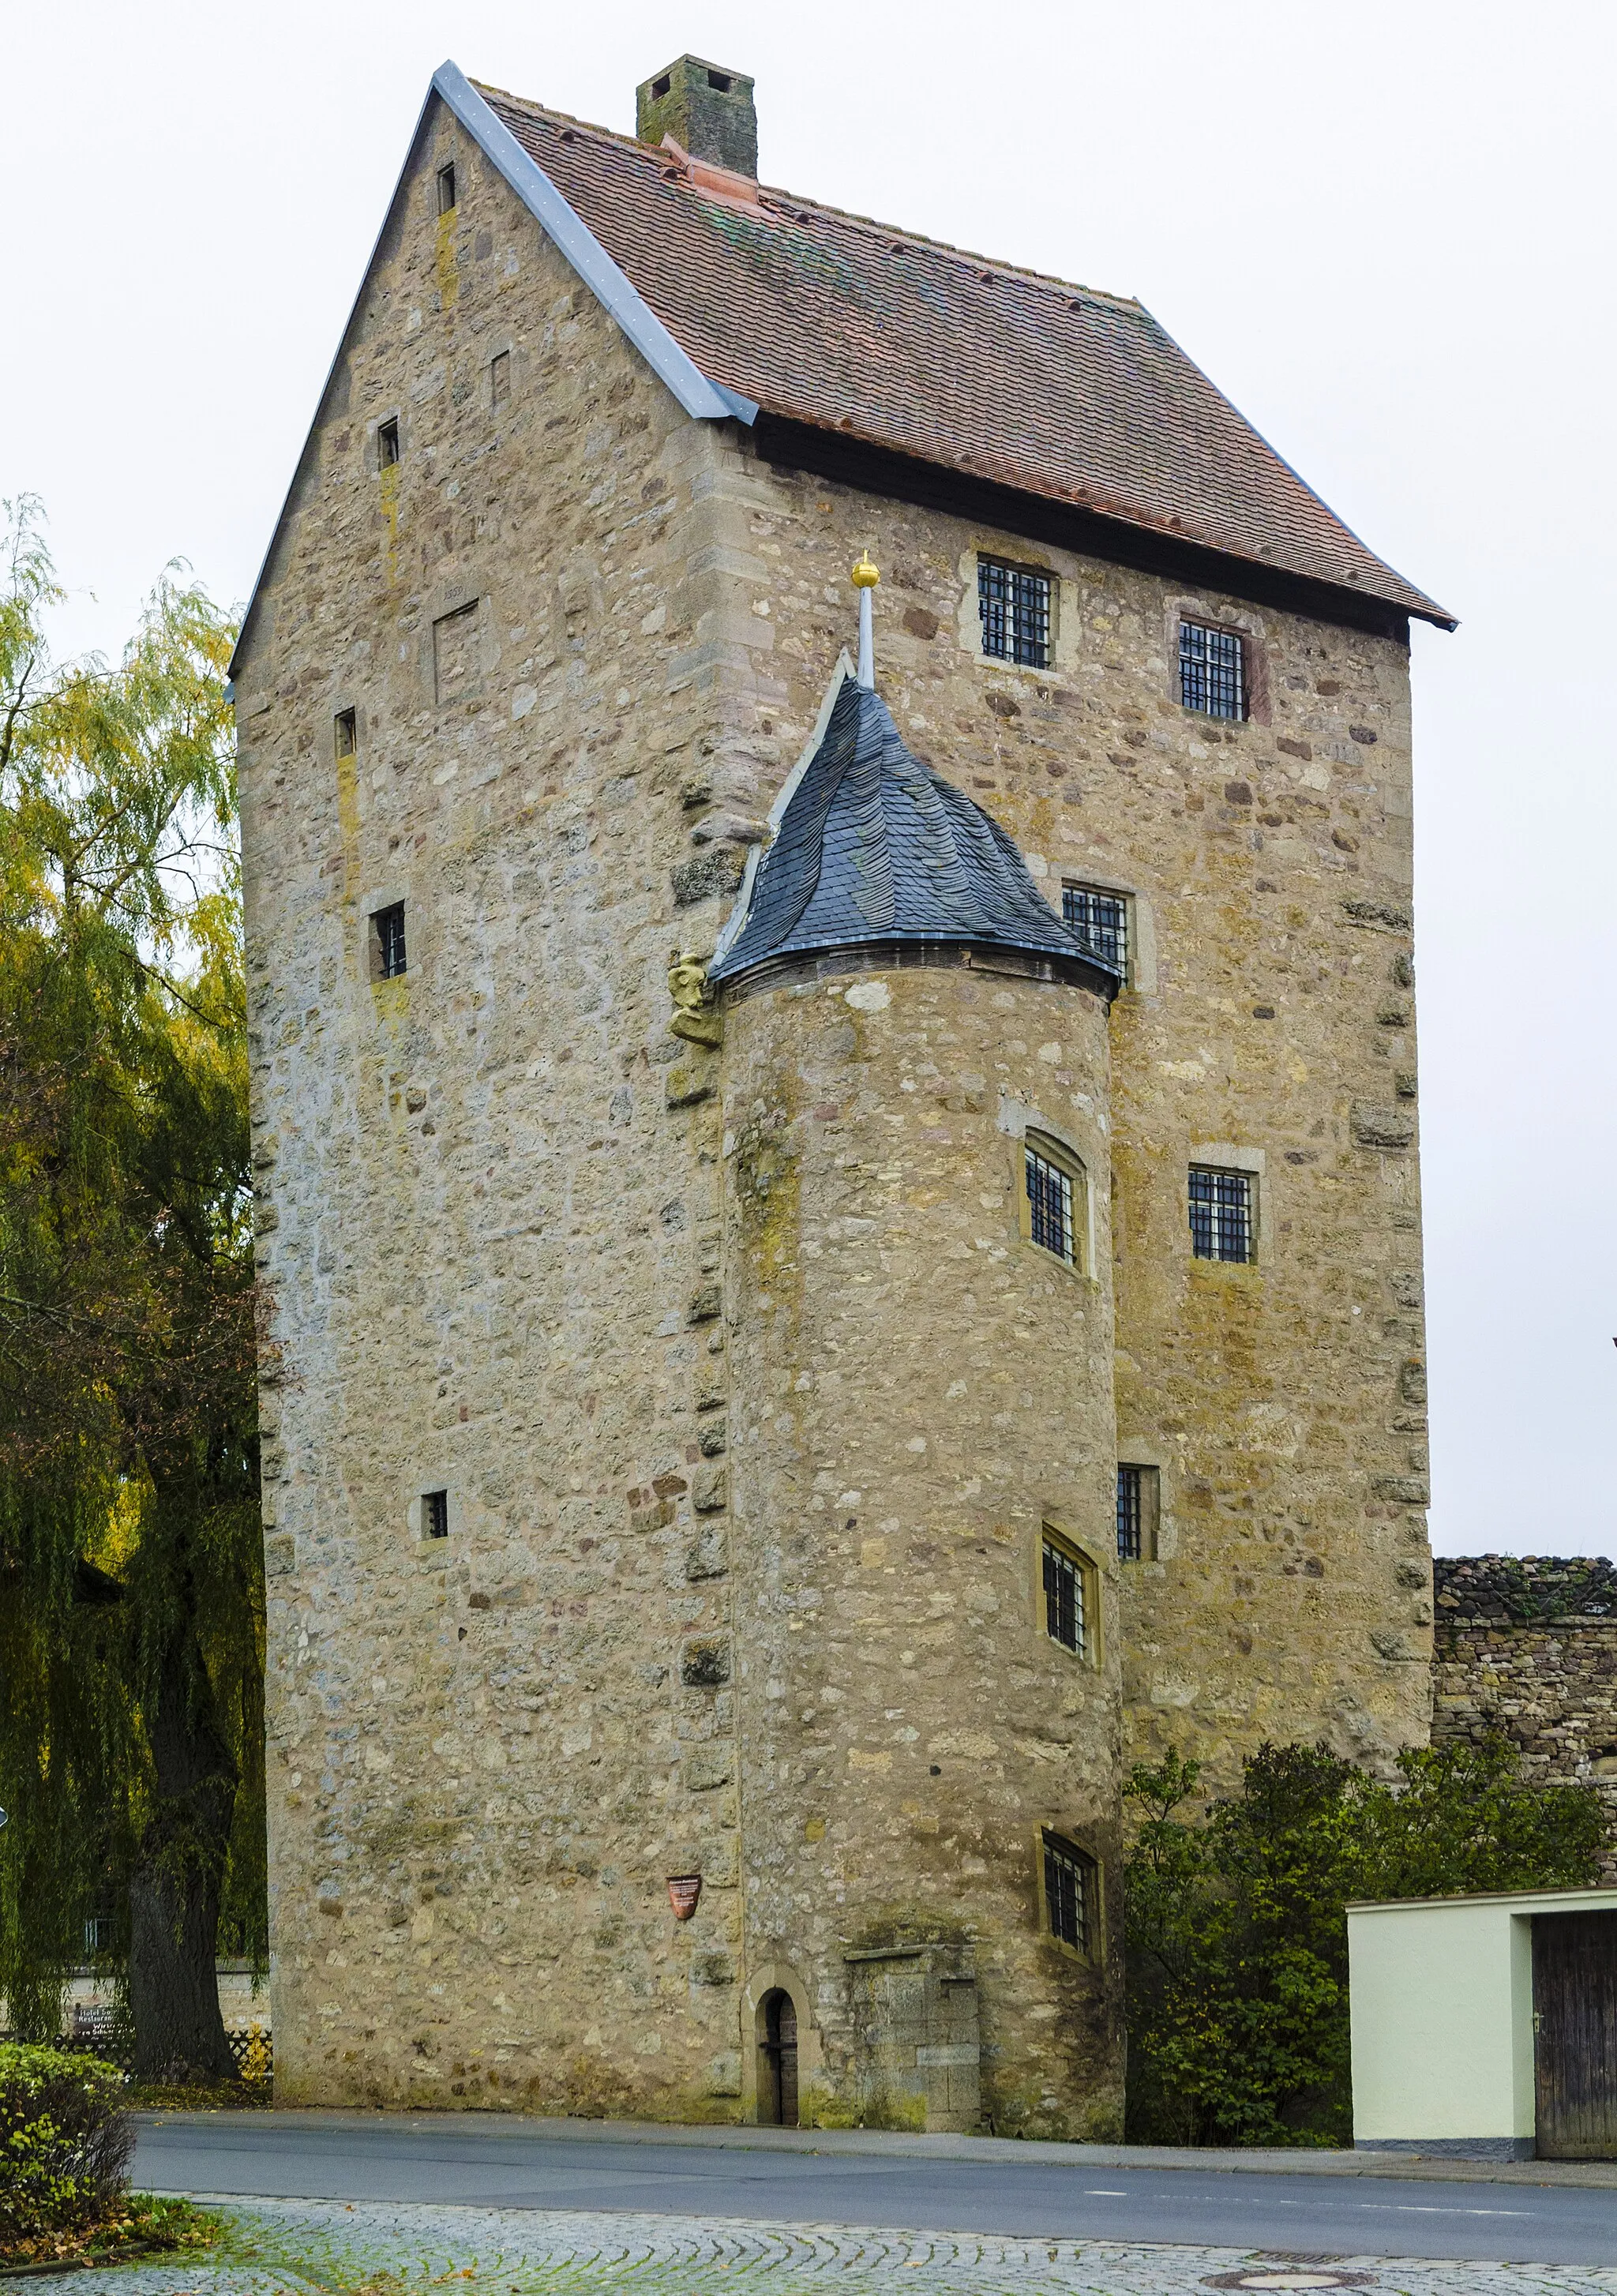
[872,846]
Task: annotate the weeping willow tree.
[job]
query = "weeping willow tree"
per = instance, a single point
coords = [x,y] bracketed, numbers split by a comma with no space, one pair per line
[131,1596]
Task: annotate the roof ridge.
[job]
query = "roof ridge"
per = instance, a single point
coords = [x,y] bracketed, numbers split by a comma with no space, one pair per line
[970,257]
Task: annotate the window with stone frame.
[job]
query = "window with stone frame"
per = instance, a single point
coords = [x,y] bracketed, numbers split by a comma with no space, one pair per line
[1100,918]
[388,956]
[1071,1899]
[1212,670]
[1054,1209]
[1137,1509]
[1223,1214]
[1070,1594]
[1014,607]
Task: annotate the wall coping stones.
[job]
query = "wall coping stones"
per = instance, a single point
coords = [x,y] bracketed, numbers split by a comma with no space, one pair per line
[1526,1589]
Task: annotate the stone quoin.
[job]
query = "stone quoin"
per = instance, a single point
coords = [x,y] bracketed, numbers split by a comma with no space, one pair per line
[839,1221]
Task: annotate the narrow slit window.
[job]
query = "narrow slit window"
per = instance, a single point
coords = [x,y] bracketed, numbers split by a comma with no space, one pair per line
[388,941]
[1069,1597]
[1212,671]
[1221,1214]
[446,188]
[386,443]
[1131,1515]
[1050,1195]
[1070,1893]
[346,725]
[499,377]
[1014,604]
[435,1515]
[1102,919]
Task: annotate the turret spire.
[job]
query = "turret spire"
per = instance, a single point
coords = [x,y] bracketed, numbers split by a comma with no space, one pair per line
[864,579]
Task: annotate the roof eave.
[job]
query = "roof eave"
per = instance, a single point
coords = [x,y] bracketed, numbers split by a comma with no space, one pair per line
[1415,606]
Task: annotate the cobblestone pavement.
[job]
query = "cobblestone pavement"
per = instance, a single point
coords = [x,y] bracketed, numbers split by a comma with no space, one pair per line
[290,2248]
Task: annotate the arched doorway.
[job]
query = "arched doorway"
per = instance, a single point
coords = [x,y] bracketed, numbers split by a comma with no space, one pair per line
[777,2059]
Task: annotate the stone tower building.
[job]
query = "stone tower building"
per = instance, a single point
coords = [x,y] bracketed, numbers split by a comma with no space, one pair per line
[843,1246]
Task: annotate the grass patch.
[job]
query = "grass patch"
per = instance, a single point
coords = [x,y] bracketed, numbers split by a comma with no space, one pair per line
[199,2096]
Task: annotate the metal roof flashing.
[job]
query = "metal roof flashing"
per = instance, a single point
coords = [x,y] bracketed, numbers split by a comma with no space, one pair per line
[702,399]
[1596,1897]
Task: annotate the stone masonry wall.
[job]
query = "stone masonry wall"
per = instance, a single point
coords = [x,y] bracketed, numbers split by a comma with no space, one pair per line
[1527,1649]
[916,1391]
[489,1218]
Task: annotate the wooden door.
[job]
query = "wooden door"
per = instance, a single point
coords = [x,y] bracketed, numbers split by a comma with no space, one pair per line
[788,2061]
[778,2061]
[1575,2035]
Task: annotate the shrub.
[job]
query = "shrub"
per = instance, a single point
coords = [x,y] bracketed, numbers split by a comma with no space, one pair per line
[65,2140]
[1236,1926]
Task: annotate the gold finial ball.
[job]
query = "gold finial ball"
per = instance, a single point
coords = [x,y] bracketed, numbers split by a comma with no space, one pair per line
[865,575]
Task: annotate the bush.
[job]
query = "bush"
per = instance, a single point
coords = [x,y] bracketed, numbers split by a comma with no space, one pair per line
[1236,1926]
[65,2141]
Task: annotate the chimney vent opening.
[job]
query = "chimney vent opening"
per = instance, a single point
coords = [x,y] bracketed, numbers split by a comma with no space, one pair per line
[708,111]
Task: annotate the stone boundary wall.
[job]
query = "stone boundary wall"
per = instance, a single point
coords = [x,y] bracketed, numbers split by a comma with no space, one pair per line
[1528,1646]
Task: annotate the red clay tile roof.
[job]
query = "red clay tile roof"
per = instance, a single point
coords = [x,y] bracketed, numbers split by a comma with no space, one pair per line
[832,320]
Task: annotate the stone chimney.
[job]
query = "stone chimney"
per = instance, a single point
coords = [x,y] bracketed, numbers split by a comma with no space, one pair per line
[708,112]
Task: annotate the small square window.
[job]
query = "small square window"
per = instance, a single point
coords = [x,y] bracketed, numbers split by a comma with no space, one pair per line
[1212,670]
[435,1515]
[1222,1223]
[1070,1893]
[1138,1490]
[661,87]
[446,188]
[1102,919]
[1069,1589]
[499,377]
[720,81]
[386,443]
[346,728]
[1014,604]
[1052,1199]
[387,942]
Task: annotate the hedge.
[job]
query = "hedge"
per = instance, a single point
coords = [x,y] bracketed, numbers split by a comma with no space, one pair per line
[66,2138]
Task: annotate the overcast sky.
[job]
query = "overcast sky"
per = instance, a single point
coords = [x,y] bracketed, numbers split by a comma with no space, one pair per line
[1385,230]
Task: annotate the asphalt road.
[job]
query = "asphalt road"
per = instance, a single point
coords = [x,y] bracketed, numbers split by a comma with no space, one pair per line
[505,2164]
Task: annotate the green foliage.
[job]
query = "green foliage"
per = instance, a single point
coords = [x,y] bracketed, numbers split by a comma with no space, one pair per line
[65,2141]
[130,1568]
[1238,1930]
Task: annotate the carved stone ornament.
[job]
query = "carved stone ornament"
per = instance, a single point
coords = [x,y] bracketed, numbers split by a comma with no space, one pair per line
[684,1891]
[693,1018]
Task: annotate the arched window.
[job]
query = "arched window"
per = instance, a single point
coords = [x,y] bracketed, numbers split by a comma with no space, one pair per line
[777,2059]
